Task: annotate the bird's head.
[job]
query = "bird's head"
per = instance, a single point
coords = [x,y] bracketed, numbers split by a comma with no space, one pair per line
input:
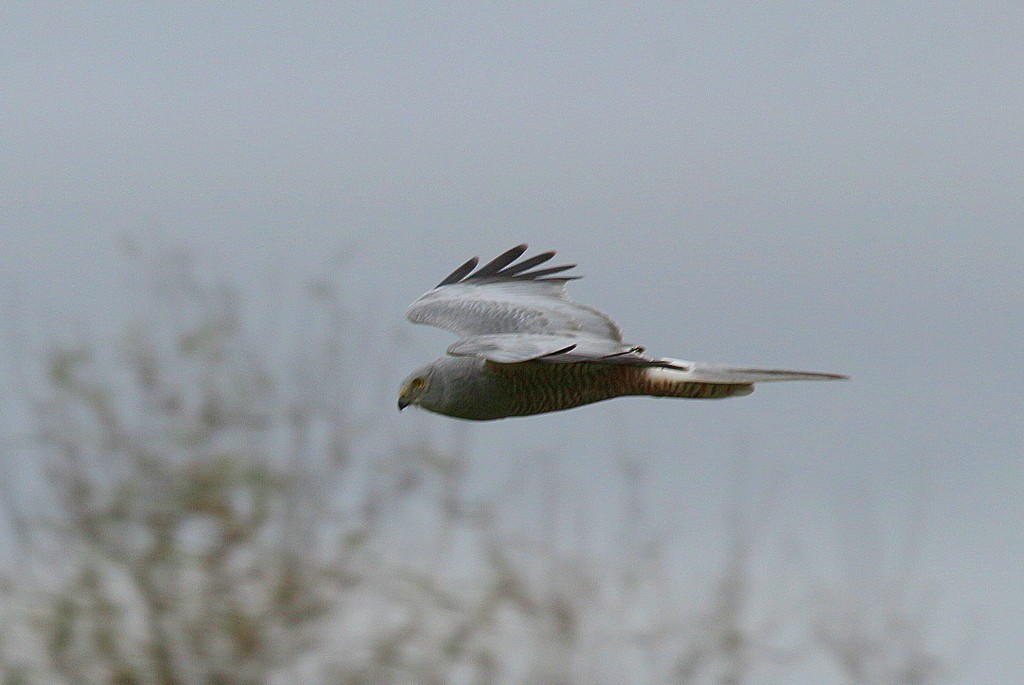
[414,386]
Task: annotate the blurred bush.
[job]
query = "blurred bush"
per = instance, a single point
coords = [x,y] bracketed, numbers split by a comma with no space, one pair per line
[203,514]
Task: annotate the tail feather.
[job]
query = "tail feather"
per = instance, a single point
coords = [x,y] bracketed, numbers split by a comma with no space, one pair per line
[704,372]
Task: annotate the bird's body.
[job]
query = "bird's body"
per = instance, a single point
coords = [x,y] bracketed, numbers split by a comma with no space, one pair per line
[478,389]
[528,349]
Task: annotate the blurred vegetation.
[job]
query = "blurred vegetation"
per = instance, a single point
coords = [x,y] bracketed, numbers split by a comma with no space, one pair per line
[202,513]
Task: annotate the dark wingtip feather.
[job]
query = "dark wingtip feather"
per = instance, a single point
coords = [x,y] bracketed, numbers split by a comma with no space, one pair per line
[460,273]
[550,270]
[527,264]
[503,267]
[567,348]
[494,267]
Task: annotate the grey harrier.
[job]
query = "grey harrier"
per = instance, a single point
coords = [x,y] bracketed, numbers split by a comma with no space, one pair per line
[527,349]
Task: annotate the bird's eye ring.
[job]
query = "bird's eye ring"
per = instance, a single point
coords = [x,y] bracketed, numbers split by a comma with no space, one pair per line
[417,383]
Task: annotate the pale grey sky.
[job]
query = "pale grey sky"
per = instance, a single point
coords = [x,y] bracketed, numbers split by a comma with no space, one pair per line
[827,186]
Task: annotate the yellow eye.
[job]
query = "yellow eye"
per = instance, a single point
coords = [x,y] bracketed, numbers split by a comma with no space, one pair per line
[417,383]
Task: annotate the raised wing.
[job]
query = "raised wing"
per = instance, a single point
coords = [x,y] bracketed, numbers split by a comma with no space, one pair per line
[509,297]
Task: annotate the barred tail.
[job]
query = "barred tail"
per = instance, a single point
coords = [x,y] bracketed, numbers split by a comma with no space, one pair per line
[669,382]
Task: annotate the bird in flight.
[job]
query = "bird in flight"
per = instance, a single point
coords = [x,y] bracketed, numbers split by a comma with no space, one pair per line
[526,348]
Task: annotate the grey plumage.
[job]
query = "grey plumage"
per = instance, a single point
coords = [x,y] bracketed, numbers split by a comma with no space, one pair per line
[527,349]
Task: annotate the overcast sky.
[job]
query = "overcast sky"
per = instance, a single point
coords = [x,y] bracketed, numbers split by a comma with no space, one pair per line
[836,187]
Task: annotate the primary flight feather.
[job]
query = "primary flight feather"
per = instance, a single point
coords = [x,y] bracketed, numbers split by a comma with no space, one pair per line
[526,348]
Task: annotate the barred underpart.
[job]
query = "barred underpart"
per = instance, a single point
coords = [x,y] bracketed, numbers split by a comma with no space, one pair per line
[539,387]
